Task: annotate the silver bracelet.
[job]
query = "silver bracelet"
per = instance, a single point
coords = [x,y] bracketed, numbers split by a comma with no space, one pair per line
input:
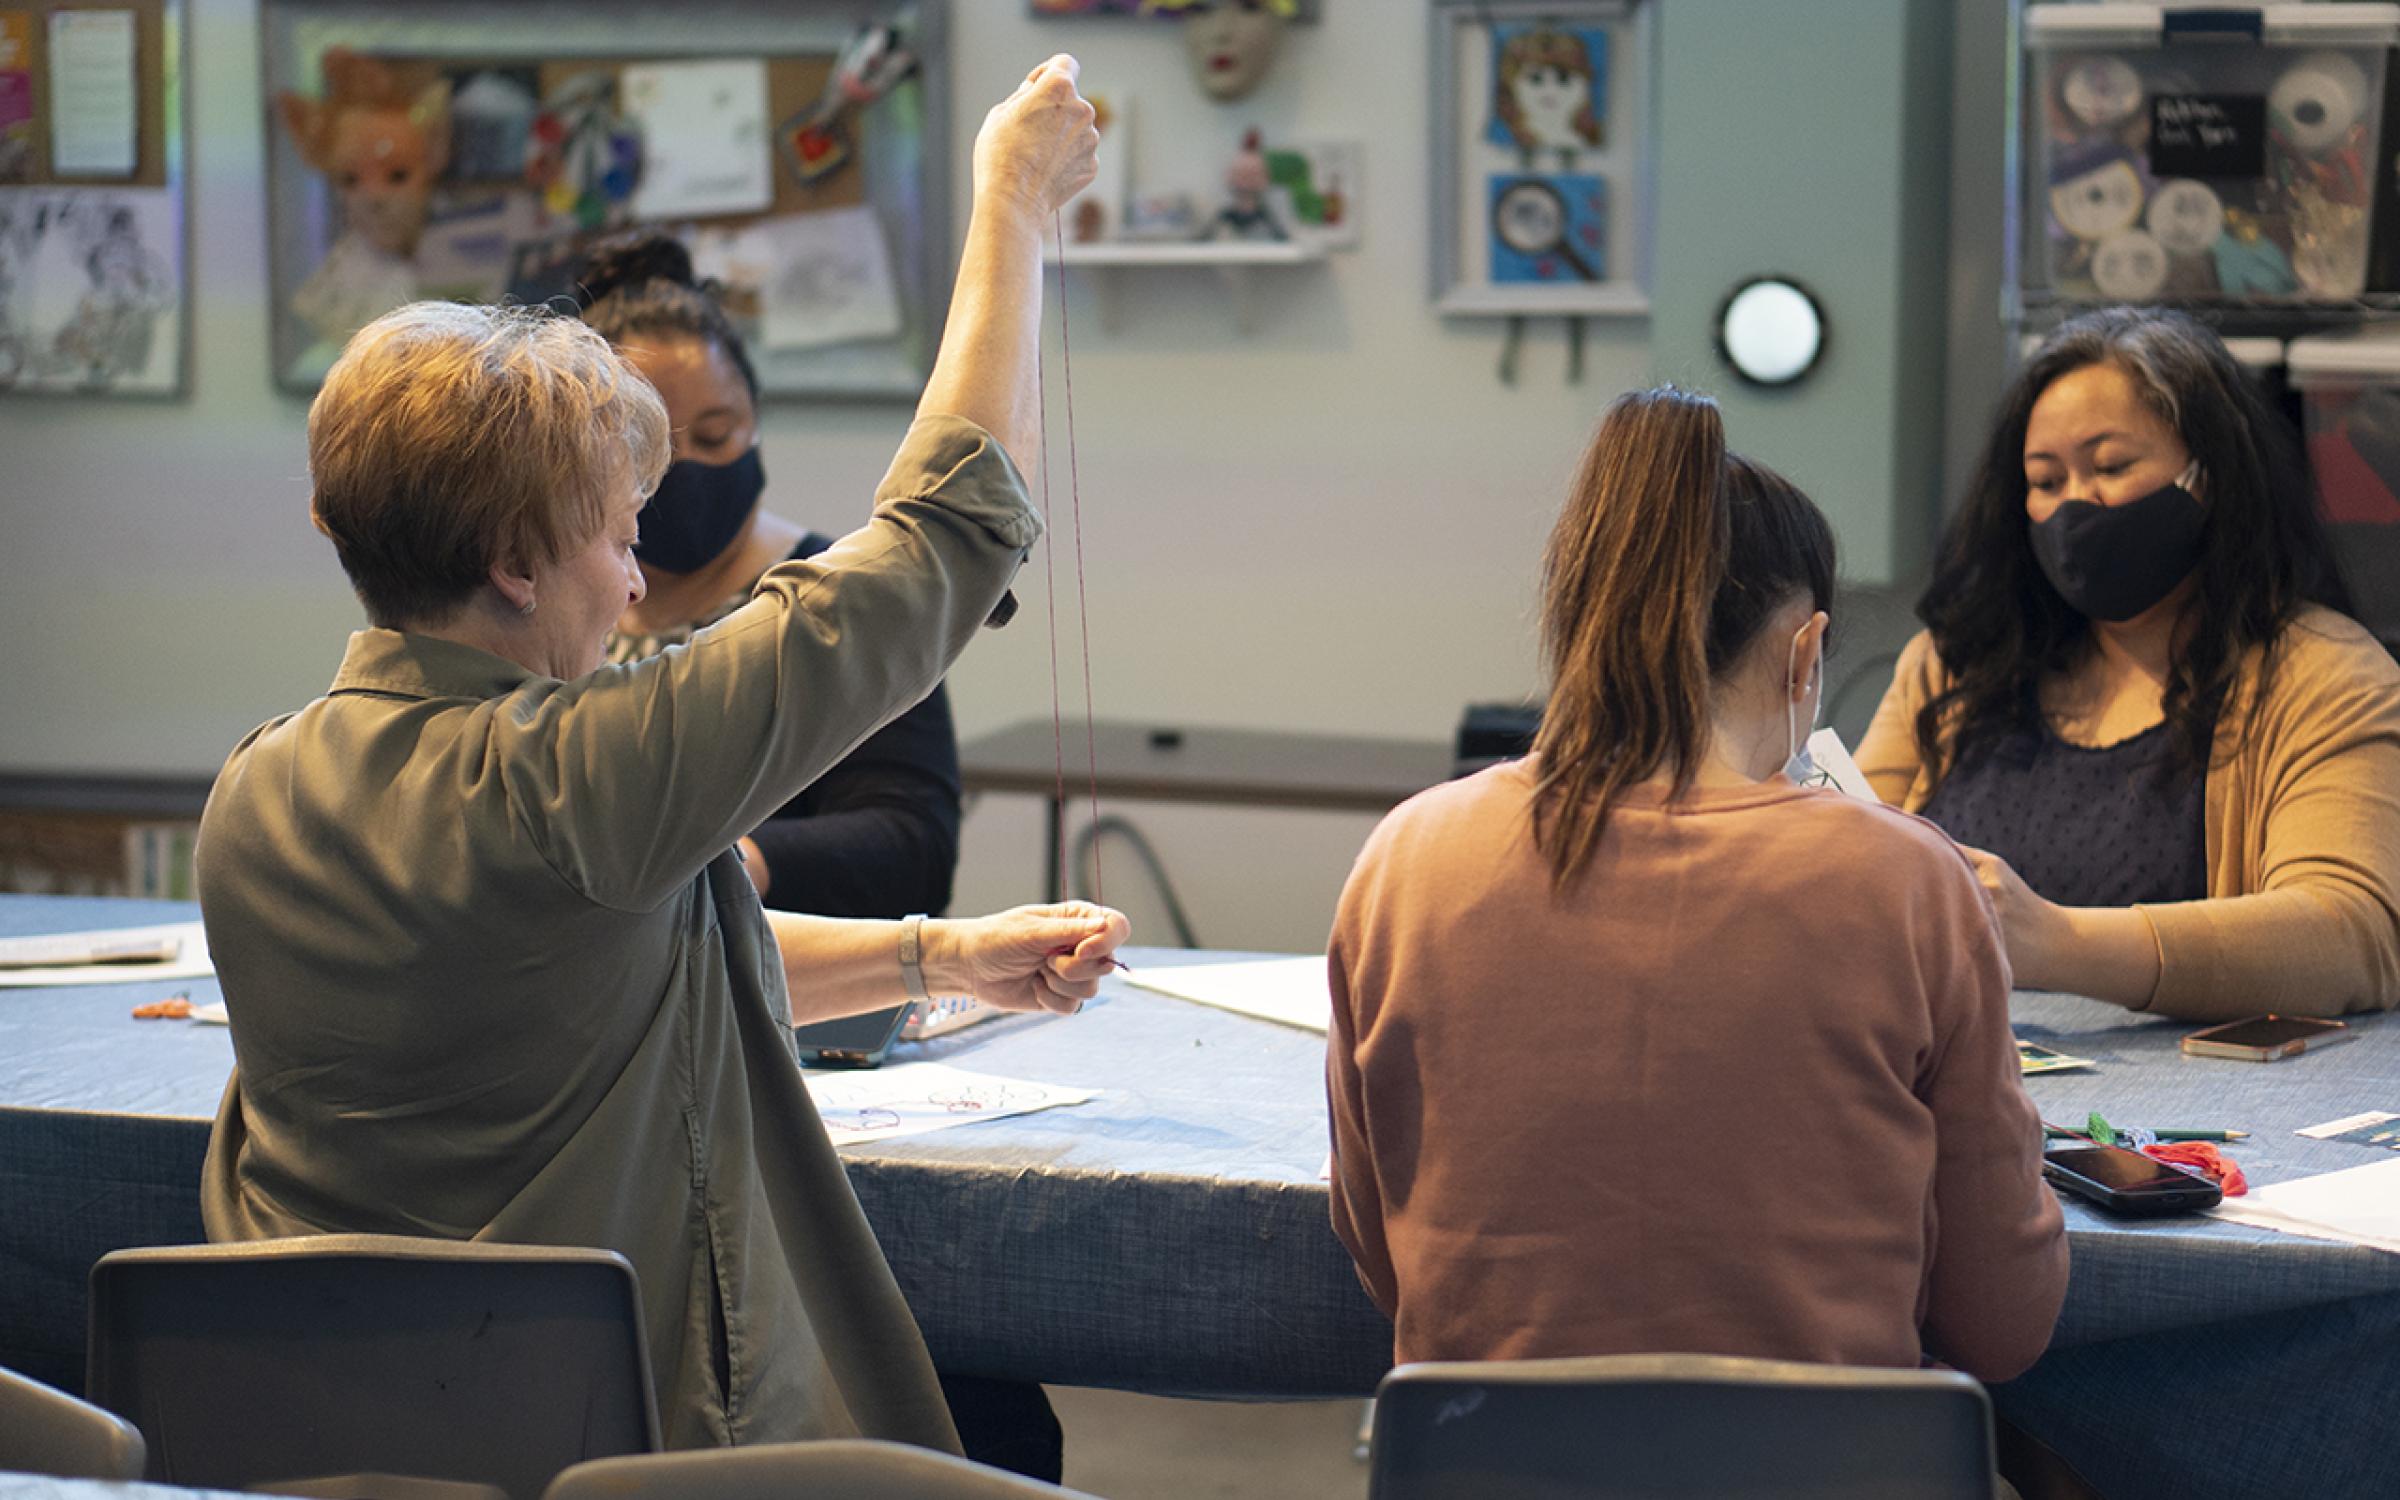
[912,953]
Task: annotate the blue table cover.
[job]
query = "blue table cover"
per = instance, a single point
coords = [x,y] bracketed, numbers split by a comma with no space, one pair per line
[1171,1236]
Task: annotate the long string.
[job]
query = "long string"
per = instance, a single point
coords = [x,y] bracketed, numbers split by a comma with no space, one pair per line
[1091,744]
[1083,617]
[1058,733]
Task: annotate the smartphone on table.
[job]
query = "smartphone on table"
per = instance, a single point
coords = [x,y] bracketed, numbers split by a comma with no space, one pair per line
[2126,1182]
[2265,1038]
[850,1041]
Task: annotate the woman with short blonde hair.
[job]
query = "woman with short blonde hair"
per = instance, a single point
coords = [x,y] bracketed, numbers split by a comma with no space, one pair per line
[493,969]
[450,437]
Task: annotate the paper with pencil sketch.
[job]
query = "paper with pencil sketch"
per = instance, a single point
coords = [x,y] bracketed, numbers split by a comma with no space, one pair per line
[1835,768]
[2355,1206]
[1288,991]
[81,957]
[882,1104]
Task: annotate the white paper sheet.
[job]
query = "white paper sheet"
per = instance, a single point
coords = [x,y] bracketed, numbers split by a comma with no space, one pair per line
[883,1104]
[94,111]
[704,137]
[1834,764]
[190,962]
[1289,991]
[2356,1206]
[830,282]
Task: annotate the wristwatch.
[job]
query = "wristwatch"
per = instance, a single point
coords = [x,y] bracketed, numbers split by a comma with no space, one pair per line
[912,956]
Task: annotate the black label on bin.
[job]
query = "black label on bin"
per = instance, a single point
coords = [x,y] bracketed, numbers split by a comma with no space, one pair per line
[2208,135]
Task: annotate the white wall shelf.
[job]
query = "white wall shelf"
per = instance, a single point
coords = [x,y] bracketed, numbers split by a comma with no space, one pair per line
[1236,263]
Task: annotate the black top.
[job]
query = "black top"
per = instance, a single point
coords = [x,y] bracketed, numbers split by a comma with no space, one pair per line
[876,836]
[2084,826]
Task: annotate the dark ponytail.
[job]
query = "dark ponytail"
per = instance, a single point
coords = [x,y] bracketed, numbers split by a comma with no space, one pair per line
[642,283]
[1668,557]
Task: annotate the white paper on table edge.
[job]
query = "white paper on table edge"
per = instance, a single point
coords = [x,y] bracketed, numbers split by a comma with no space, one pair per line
[1162,980]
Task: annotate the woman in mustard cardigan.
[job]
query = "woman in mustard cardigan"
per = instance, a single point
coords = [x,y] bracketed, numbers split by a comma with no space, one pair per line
[2140,702]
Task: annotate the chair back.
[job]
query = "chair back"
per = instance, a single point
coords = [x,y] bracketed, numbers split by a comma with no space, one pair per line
[843,1469]
[294,1359]
[46,1431]
[1670,1426]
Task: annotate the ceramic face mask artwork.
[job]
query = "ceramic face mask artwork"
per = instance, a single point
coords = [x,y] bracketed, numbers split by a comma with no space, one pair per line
[1231,42]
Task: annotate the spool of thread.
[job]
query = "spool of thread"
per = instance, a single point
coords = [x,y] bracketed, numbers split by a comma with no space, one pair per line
[2317,101]
[2185,216]
[2097,201]
[2130,267]
[2101,93]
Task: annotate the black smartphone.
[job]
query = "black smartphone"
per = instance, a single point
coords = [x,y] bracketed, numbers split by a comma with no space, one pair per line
[2127,1182]
[2265,1038]
[850,1041]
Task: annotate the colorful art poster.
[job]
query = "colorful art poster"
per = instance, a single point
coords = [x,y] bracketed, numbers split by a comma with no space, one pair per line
[1549,93]
[1548,230]
[16,96]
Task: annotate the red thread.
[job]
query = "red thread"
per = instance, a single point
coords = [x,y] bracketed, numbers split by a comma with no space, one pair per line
[1058,732]
[2203,1157]
[1091,744]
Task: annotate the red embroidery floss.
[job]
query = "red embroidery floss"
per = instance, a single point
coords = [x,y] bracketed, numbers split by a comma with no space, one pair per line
[1066,370]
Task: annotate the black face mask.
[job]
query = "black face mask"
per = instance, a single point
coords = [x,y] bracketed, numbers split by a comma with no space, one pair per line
[2111,562]
[697,512]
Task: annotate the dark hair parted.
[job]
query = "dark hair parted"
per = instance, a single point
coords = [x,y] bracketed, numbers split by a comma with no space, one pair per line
[641,283]
[1668,557]
[1999,626]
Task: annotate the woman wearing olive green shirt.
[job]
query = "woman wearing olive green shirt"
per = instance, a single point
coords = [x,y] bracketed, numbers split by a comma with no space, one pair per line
[493,967]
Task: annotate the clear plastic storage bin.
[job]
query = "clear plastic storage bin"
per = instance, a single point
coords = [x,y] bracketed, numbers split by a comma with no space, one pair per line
[2349,387]
[2181,153]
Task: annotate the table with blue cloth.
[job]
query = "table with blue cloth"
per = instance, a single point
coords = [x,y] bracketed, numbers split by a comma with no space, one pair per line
[1171,1235]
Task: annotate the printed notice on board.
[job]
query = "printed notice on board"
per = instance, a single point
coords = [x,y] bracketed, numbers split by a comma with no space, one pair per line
[704,137]
[94,111]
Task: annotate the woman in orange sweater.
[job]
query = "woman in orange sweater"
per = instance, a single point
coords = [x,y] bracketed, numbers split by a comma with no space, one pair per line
[2139,701]
[1639,1046]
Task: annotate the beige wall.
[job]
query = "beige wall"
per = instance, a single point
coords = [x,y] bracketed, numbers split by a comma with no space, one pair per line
[1329,524]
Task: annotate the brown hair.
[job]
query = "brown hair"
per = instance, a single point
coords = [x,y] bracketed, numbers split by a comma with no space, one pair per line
[449,439]
[1668,557]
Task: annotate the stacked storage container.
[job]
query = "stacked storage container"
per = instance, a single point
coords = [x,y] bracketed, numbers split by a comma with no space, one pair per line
[2349,387]
[2200,153]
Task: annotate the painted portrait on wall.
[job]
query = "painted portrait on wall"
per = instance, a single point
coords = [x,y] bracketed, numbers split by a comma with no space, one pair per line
[1549,93]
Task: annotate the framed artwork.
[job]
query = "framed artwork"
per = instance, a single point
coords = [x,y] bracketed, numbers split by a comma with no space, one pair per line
[1541,153]
[442,149]
[94,294]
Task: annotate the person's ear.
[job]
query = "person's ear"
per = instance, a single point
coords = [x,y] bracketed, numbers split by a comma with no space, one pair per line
[1809,666]
[513,584]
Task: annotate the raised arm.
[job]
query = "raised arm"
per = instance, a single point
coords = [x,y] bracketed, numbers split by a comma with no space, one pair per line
[1035,151]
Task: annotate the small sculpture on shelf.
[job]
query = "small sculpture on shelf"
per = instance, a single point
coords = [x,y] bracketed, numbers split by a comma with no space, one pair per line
[1246,214]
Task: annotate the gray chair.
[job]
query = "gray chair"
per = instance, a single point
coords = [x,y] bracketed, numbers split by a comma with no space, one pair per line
[1671,1426]
[843,1469]
[368,1364]
[47,1431]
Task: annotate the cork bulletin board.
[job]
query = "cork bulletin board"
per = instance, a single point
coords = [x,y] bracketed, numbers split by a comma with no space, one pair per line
[434,148]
